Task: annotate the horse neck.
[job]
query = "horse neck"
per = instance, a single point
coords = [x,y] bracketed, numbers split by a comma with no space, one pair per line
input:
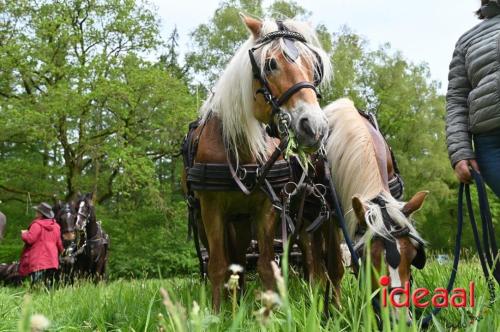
[92,226]
[358,158]
[212,148]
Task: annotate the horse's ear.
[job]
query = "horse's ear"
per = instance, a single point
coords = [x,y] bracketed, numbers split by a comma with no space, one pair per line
[415,203]
[359,209]
[253,24]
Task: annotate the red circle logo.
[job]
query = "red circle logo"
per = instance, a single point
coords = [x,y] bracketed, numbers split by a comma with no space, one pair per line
[384,281]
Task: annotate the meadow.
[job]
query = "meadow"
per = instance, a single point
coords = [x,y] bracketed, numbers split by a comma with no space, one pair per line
[139,305]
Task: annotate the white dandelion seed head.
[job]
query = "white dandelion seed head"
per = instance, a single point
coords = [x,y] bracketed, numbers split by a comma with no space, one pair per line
[235,268]
[270,299]
[196,308]
[39,323]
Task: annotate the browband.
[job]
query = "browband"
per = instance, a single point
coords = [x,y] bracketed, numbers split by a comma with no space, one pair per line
[281,34]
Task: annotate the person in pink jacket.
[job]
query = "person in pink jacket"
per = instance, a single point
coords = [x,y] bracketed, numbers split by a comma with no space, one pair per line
[42,246]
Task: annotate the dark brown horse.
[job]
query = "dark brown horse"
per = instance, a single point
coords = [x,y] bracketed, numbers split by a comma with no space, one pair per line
[92,242]
[8,272]
[65,216]
[286,63]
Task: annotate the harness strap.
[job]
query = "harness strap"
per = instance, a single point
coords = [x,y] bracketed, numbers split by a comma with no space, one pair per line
[263,171]
[294,89]
[236,177]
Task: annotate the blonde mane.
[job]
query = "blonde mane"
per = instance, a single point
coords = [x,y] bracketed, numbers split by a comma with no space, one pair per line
[355,170]
[232,99]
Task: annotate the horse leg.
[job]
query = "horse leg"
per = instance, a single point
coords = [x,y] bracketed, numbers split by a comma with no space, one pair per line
[335,265]
[217,261]
[266,226]
[239,238]
[311,256]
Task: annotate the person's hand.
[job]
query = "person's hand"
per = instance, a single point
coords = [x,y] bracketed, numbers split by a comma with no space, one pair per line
[462,170]
[23,231]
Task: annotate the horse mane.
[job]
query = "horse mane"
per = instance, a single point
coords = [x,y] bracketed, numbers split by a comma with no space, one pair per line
[233,97]
[355,170]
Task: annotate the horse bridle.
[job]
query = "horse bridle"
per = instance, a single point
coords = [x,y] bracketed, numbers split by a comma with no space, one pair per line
[396,231]
[280,120]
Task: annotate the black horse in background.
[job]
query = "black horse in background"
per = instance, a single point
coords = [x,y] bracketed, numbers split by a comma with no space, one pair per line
[92,242]
[85,242]
[8,272]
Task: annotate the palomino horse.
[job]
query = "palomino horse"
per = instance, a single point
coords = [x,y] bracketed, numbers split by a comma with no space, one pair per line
[358,156]
[285,60]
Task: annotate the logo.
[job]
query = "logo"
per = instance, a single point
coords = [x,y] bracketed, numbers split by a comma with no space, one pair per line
[400,297]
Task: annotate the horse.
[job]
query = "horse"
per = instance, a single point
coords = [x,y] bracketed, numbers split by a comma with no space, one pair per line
[3,223]
[360,169]
[92,242]
[280,58]
[65,216]
[316,236]
[9,274]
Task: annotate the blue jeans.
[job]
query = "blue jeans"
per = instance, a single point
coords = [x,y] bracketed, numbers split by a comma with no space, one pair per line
[487,148]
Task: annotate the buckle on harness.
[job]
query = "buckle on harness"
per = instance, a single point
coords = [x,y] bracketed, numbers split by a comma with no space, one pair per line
[242,173]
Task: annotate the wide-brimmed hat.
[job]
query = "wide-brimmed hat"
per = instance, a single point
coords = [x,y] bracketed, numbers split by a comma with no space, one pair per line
[45,209]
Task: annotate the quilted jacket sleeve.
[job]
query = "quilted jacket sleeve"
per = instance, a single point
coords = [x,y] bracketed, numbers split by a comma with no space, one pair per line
[458,137]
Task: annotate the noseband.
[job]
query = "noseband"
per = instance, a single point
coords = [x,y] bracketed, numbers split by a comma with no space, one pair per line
[278,116]
[396,231]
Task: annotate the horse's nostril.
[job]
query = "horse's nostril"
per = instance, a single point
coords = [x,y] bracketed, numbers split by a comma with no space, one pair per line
[305,126]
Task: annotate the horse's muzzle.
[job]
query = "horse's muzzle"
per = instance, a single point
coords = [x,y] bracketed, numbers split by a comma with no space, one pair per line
[69,236]
[311,129]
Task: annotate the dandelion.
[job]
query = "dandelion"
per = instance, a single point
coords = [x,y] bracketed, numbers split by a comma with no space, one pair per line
[39,323]
[234,284]
[196,308]
[235,268]
[270,300]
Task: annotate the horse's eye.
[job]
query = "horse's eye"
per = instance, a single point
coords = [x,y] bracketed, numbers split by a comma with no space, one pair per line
[270,65]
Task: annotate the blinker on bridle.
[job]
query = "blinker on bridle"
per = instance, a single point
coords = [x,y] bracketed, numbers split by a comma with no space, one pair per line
[396,231]
[280,120]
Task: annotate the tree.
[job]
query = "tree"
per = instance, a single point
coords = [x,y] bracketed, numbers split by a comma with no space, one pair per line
[79,104]
[216,42]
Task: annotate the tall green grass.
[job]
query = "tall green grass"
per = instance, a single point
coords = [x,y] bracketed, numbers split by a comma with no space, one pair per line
[138,305]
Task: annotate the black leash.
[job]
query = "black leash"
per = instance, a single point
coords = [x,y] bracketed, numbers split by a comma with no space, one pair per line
[490,246]
[340,217]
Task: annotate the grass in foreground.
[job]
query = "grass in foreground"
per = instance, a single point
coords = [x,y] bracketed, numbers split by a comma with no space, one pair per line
[137,305]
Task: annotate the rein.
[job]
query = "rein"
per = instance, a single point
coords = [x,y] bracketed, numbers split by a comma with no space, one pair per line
[486,256]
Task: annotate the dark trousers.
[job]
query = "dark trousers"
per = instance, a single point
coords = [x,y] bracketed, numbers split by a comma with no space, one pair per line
[487,148]
[45,277]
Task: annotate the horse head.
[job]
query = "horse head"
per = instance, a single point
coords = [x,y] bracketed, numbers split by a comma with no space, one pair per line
[84,211]
[288,65]
[394,240]
[66,218]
